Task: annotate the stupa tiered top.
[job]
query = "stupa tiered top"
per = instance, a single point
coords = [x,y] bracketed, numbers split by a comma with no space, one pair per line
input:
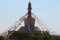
[29,21]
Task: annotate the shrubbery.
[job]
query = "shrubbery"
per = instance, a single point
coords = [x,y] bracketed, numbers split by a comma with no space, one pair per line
[36,36]
[1,38]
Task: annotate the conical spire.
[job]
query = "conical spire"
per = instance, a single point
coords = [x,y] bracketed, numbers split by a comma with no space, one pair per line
[29,10]
[29,6]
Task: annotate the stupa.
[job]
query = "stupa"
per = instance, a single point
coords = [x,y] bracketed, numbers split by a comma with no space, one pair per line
[29,28]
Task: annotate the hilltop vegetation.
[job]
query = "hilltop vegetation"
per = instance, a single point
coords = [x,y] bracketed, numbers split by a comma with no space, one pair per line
[1,38]
[36,36]
[33,36]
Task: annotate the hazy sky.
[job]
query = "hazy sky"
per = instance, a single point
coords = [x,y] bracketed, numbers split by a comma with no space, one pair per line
[47,10]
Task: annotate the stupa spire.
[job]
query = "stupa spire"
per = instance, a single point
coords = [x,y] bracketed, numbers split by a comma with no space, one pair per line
[29,10]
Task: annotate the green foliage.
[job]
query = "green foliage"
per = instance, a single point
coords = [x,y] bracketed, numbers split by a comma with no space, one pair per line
[1,37]
[36,36]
